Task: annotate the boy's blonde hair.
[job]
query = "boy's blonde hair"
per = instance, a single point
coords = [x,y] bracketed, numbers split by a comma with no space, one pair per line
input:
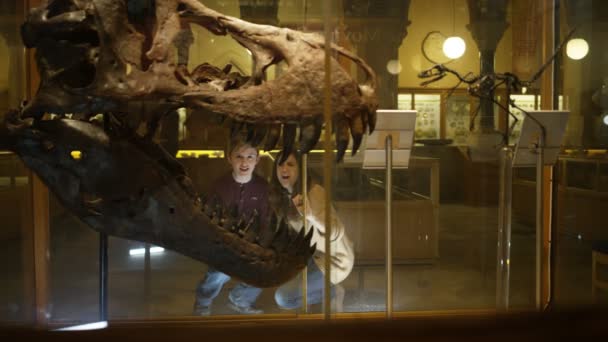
[235,145]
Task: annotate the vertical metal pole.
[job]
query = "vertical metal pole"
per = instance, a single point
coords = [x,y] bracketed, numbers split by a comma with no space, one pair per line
[103,277]
[304,174]
[539,216]
[389,228]
[327,156]
[503,250]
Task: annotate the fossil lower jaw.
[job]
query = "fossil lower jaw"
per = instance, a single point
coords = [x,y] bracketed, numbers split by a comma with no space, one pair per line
[158,206]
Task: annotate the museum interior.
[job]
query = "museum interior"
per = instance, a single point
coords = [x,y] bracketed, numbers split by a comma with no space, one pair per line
[488,214]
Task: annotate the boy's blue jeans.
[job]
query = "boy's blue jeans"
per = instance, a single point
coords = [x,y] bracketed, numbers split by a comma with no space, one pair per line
[207,289]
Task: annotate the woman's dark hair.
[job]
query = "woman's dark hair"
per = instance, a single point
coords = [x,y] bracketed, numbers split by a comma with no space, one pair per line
[280,198]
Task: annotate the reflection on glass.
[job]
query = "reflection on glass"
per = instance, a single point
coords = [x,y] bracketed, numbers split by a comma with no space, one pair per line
[603,178]
[428,120]
[581,175]
[582,195]
[457,118]
[445,204]
[17,286]
[73,266]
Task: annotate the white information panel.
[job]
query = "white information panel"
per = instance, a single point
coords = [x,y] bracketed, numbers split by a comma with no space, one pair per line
[554,122]
[400,124]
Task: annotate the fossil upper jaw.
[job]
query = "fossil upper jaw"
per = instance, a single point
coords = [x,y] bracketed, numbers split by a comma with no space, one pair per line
[99,55]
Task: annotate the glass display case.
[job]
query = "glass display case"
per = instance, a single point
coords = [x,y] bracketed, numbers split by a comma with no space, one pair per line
[18,297]
[446,205]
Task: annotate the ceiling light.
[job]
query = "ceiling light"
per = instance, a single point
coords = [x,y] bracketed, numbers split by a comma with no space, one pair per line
[393,66]
[454,47]
[577,48]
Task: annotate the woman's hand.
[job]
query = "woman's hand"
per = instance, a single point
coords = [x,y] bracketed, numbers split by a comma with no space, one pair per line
[298,202]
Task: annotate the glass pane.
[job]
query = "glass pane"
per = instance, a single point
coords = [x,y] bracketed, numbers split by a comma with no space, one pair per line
[150,281]
[17,290]
[582,193]
[603,178]
[16,295]
[428,115]
[74,267]
[445,204]
[404,101]
[457,119]
[581,175]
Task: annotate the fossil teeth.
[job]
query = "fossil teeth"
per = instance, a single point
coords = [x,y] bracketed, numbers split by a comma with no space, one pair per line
[220,211]
[295,242]
[372,121]
[239,226]
[227,222]
[250,128]
[306,241]
[215,219]
[217,215]
[274,131]
[235,129]
[289,135]
[267,234]
[364,122]
[259,135]
[342,138]
[280,242]
[357,129]
[229,217]
[210,206]
[311,250]
[253,228]
[207,210]
[203,199]
[310,132]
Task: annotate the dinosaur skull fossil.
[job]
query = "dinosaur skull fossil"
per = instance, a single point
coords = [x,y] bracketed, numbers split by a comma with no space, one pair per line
[103,56]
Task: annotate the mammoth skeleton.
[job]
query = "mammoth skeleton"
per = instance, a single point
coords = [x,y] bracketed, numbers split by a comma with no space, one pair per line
[101,57]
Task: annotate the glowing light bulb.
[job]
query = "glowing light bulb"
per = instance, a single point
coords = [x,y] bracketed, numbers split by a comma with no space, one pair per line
[454,47]
[605,119]
[577,48]
[393,66]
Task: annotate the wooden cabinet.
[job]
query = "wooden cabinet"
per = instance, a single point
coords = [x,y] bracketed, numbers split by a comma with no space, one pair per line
[415,221]
[580,202]
[414,230]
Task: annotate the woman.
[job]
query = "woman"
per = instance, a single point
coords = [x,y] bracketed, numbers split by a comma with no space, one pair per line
[287,202]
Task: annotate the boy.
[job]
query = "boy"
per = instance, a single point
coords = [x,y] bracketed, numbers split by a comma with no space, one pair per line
[241,189]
